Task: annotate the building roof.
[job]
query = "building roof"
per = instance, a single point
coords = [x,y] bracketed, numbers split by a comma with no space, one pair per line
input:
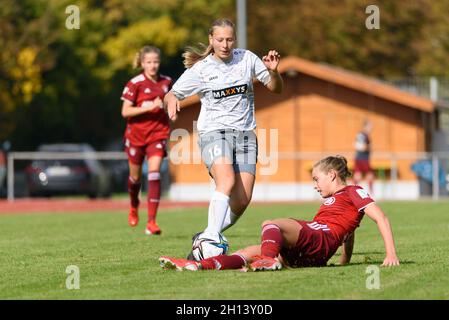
[347,79]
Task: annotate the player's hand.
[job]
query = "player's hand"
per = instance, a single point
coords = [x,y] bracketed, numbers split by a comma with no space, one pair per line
[172,108]
[390,262]
[271,60]
[158,103]
[148,106]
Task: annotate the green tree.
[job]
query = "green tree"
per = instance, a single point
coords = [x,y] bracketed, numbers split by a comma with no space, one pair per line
[334,32]
[64,85]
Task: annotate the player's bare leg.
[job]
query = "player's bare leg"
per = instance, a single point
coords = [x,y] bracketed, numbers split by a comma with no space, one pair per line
[224,177]
[154,193]
[370,180]
[240,198]
[223,174]
[134,184]
[357,178]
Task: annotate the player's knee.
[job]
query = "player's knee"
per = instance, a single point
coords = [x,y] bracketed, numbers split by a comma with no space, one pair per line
[266,222]
[135,177]
[249,252]
[226,183]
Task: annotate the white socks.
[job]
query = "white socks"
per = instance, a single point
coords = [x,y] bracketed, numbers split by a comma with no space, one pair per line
[218,208]
[230,219]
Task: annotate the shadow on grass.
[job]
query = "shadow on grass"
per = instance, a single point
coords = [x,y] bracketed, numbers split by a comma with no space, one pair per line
[367,263]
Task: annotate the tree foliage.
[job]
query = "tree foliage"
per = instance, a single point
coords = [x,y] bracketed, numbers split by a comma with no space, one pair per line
[58,84]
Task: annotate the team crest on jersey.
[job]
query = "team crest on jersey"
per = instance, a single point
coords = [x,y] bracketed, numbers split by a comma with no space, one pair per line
[362,193]
[165,88]
[231,91]
[329,201]
[147,90]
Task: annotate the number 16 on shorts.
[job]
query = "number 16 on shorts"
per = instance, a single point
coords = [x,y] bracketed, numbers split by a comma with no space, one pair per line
[215,152]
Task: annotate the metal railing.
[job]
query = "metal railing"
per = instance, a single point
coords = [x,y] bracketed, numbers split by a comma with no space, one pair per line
[393,158]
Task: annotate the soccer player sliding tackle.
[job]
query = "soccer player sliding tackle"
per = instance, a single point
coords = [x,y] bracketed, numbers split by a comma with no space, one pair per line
[297,243]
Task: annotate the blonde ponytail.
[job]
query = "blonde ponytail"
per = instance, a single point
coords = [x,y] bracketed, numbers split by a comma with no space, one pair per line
[192,54]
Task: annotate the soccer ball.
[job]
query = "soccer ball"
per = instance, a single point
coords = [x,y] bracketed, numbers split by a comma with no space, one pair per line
[206,245]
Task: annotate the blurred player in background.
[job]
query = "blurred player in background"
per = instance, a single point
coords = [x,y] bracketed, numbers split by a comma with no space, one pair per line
[146,132]
[298,243]
[223,78]
[362,167]
[2,169]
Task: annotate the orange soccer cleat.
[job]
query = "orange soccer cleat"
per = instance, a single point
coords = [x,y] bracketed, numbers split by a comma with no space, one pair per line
[152,228]
[179,264]
[133,217]
[264,263]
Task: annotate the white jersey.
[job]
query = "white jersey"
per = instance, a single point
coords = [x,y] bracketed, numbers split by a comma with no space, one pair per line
[225,90]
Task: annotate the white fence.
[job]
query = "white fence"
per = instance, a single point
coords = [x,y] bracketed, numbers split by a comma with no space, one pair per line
[265,188]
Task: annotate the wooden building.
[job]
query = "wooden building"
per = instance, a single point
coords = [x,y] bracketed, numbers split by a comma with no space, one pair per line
[319,113]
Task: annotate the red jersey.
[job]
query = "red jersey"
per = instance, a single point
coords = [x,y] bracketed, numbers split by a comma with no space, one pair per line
[343,211]
[150,126]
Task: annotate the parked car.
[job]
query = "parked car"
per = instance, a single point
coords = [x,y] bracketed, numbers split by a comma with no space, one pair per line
[71,176]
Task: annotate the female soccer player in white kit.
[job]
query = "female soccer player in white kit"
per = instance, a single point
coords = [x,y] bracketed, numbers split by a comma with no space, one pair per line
[223,76]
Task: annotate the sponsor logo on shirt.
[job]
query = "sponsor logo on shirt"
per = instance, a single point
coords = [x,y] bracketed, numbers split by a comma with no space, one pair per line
[329,201]
[147,90]
[231,91]
[213,78]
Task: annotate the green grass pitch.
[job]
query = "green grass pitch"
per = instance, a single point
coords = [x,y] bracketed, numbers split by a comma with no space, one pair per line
[117,262]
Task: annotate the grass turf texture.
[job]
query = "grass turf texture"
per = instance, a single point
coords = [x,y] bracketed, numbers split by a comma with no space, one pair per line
[118,262]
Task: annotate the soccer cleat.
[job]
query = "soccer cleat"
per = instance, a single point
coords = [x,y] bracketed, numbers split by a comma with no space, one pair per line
[178,264]
[264,263]
[152,228]
[133,217]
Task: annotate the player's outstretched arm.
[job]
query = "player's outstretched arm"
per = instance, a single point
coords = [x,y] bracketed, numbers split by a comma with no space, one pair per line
[172,105]
[346,249]
[128,110]
[271,61]
[376,214]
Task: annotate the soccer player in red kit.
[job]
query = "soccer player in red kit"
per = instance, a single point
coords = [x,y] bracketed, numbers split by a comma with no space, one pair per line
[362,166]
[146,132]
[298,243]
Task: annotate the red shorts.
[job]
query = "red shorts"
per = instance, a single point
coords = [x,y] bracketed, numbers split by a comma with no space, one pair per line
[136,155]
[362,166]
[313,249]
